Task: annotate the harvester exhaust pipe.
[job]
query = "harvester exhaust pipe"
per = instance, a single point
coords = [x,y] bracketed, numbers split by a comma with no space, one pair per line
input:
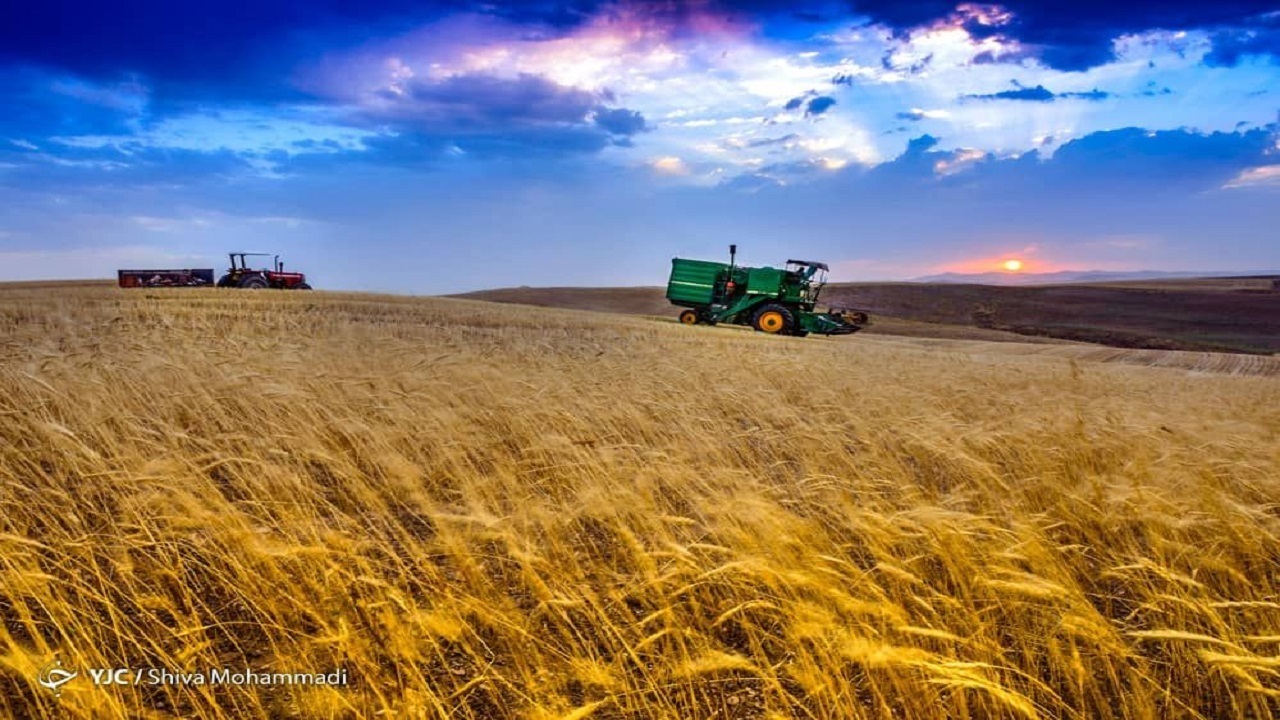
[733,251]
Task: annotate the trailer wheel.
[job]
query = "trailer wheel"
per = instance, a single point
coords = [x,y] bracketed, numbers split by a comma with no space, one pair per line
[773,319]
[254,282]
[688,317]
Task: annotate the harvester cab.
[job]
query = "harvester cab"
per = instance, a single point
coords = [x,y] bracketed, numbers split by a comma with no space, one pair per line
[809,277]
[771,300]
[240,275]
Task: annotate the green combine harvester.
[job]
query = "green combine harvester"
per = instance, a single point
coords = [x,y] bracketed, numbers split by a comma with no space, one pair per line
[771,300]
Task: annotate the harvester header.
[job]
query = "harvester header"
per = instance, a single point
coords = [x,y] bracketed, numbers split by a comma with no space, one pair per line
[778,301]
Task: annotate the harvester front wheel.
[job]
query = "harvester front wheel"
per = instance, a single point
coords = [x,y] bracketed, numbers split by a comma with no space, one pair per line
[773,319]
[689,317]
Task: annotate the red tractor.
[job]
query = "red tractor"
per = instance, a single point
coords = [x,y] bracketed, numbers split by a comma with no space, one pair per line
[242,276]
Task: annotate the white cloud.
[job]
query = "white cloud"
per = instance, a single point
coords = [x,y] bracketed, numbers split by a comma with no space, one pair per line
[1265,175]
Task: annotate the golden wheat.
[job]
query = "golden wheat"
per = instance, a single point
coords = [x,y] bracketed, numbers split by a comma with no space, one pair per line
[484,511]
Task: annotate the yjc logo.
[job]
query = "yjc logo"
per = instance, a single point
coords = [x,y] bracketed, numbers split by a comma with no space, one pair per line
[54,677]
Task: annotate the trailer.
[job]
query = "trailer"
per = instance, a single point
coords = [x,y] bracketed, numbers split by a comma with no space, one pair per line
[187,277]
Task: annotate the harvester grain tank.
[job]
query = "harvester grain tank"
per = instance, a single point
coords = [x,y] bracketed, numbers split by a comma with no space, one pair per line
[779,301]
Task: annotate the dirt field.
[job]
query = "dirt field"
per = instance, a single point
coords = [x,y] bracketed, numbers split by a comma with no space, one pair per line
[493,511]
[1216,314]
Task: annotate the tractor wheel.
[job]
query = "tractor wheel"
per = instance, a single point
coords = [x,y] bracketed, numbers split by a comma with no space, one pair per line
[302,286]
[254,282]
[773,319]
[800,333]
[224,281]
[689,317]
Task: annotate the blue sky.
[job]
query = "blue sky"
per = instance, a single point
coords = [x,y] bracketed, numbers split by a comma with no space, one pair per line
[427,148]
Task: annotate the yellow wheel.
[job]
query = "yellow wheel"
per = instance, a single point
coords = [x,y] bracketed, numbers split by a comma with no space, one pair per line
[771,322]
[689,317]
[773,319]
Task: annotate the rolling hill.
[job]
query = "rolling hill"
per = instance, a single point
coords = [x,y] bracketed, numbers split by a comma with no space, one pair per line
[1214,314]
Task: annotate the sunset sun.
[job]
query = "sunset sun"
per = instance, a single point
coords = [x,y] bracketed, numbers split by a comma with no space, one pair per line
[1012,265]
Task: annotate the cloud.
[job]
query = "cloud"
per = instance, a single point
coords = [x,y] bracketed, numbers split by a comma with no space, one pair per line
[1068,36]
[70,167]
[1035,94]
[1233,45]
[485,100]
[918,114]
[819,105]
[40,103]
[1265,175]
[920,145]
[1039,93]
[236,50]
[1168,160]
[788,139]
[670,165]
[487,115]
[620,121]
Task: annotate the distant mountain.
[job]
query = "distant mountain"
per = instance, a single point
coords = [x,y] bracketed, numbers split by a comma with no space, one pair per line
[1070,276]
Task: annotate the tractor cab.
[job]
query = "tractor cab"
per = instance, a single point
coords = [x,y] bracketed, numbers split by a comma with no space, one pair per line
[240,261]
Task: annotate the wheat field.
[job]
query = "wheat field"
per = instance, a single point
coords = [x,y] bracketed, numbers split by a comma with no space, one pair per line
[487,511]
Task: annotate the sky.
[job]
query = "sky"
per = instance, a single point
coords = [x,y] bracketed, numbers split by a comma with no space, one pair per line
[427,148]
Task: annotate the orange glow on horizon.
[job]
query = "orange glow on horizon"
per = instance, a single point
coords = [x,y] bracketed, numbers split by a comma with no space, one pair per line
[1019,263]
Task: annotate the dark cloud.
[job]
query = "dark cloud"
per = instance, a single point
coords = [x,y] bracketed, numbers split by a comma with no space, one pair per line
[911,115]
[819,105]
[1079,35]
[226,49]
[920,144]
[765,142]
[988,57]
[621,121]
[39,104]
[1178,156]
[248,49]
[1039,93]
[244,50]
[793,104]
[1034,94]
[490,100]
[1125,161]
[427,124]
[1232,46]
[1094,94]
[54,164]
[483,115]
[919,66]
